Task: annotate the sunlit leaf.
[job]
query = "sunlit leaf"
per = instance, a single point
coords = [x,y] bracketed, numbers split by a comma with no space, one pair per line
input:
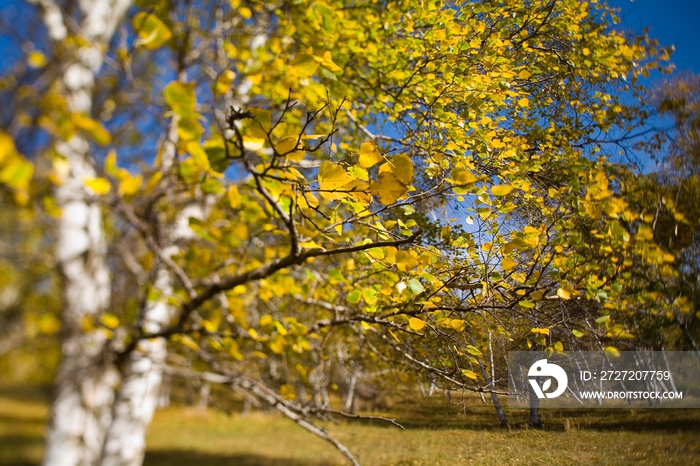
[416,324]
[501,190]
[153,33]
[369,155]
[99,186]
[388,188]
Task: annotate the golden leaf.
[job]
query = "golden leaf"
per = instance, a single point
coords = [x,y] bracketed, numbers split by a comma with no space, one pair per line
[369,155]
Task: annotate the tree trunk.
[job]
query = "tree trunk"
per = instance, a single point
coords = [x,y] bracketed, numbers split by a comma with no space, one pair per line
[137,397]
[85,380]
[490,385]
[535,420]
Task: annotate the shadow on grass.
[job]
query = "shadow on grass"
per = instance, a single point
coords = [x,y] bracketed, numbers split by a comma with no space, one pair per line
[436,413]
[171,457]
[15,450]
[30,393]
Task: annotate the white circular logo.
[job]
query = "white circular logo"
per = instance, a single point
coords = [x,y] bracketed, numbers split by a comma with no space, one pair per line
[542,369]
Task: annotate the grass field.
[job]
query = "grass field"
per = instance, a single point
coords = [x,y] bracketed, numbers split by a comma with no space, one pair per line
[437,433]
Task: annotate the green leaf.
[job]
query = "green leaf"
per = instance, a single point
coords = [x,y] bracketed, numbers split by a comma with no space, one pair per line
[354,297]
[217,158]
[527,304]
[602,319]
[415,286]
[153,33]
[181,98]
[577,333]
[17,173]
[474,350]
[189,129]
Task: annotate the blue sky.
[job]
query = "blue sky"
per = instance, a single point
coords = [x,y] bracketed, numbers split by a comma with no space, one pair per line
[674,22]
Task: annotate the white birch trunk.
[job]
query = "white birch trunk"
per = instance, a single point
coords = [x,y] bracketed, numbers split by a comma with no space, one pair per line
[137,397]
[85,381]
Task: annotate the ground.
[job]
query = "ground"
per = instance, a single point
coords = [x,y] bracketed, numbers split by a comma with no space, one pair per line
[438,432]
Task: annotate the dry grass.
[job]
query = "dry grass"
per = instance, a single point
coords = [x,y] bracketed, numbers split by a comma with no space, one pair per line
[437,433]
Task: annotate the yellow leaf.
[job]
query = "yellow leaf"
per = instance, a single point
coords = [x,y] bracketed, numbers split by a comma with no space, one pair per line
[501,190]
[416,324]
[565,292]
[234,197]
[288,392]
[199,155]
[303,66]
[463,176]
[189,342]
[130,185]
[7,146]
[111,164]
[99,186]
[469,374]
[524,74]
[277,345]
[612,352]
[285,148]
[110,321]
[36,59]
[558,347]
[457,324]
[388,188]
[223,82]
[507,263]
[405,261]
[48,323]
[92,127]
[369,155]
[402,168]
[332,176]
[524,102]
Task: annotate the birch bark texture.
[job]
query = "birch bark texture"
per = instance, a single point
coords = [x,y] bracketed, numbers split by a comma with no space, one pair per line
[137,396]
[81,409]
